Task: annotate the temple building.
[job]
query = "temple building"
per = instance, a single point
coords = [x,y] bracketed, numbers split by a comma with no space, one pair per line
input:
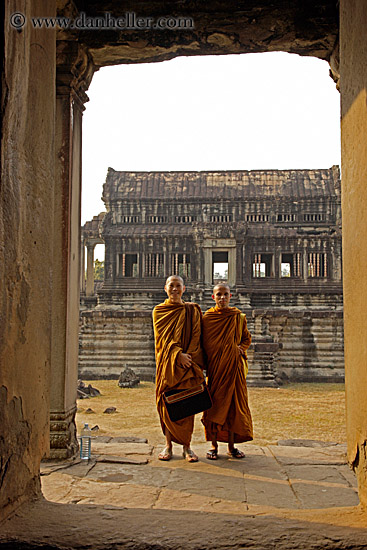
[274,235]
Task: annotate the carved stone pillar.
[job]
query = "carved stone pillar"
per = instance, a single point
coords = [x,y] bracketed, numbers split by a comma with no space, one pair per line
[232,266]
[336,260]
[89,289]
[73,76]
[208,267]
[239,262]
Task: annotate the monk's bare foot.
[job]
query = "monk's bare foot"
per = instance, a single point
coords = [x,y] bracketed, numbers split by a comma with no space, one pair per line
[235,453]
[189,455]
[166,454]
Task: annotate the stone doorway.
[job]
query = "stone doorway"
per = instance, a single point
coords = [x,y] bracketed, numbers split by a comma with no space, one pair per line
[40,215]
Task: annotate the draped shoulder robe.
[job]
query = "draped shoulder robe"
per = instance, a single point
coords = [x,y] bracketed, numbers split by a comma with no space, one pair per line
[177,329]
[226,375]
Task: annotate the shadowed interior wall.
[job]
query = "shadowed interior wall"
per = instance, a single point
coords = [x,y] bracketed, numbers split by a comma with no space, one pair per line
[353,68]
[26,221]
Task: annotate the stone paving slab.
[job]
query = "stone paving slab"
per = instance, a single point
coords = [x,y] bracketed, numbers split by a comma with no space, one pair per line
[314,496]
[315,473]
[64,489]
[270,494]
[306,455]
[146,475]
[125,449]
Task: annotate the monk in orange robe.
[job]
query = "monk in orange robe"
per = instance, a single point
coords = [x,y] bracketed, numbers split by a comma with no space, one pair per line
[179,360]
[225,341]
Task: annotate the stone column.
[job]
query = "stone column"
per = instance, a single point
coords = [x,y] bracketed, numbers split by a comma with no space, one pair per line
[208,266]
[232,266]
[74,73]
[167,267]
[90,270]
[82,265]
[277,262]
[239,264]
[336,260]
[305,262]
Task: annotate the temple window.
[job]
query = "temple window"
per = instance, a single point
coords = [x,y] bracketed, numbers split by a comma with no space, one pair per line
[314,217]
[128,265]
[262,265]
[180,265]
[153,265]
[286,218]
[129,219]
[220,218]
[317,264]
[290,265]
[157,219]
[257,218]
[185,219]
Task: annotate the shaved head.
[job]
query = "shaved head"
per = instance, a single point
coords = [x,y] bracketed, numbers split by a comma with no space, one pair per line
[175,277]
[221,285]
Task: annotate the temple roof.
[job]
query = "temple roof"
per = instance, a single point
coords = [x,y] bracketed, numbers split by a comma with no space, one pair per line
[302,184]
[93,224]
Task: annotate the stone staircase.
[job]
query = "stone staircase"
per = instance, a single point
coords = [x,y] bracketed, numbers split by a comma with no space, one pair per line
[312,346]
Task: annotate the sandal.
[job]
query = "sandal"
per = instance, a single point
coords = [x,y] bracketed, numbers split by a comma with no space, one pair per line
[212,454]
[236,453]
[189,455]
[166,454]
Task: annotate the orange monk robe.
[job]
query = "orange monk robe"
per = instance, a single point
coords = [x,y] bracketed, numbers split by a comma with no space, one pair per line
[226,375]
[177,329]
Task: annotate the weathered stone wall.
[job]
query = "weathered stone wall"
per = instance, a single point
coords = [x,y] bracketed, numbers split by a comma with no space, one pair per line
[353,87]
[111,340]
[312,348]
[287,345]
[26,221]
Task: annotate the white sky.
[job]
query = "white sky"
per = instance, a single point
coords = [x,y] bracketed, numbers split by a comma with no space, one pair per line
[233,112]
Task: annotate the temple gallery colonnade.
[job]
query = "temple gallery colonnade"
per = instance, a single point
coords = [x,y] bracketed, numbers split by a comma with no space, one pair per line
[45,74]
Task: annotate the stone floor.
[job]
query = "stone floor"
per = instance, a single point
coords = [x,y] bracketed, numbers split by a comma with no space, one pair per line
[127,473]
[297,494]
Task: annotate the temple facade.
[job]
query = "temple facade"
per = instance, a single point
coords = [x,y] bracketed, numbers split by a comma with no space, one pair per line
[274,235]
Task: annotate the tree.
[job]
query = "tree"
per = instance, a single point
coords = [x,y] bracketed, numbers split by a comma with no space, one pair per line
[98,270]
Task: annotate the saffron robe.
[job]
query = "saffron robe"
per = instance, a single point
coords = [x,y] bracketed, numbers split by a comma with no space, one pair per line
[221,335]
[177,329]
